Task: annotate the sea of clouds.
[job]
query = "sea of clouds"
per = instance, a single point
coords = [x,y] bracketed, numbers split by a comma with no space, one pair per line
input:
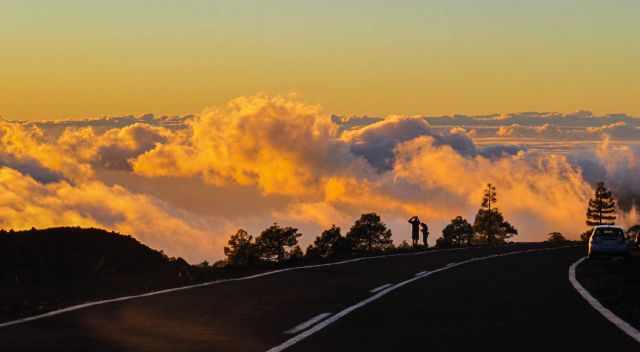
[184,184]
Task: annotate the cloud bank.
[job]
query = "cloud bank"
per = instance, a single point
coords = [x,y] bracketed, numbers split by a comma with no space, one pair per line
[184,184]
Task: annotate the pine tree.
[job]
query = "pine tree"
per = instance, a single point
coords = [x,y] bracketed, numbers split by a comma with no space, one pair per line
[458,233]
[370,234]
[490,197]
[276,243]
[241,250]
[602,208]
[490,222]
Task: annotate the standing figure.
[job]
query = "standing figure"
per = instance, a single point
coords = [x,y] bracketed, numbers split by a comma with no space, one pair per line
[425,234]
[415,232]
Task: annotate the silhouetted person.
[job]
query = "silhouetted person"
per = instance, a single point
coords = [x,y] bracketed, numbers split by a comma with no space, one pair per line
[425,234]
[415,232]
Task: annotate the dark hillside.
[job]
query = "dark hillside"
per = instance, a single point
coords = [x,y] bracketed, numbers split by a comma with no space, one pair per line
[45,269]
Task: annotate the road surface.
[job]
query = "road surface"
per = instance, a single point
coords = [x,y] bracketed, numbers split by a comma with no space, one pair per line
[518,302]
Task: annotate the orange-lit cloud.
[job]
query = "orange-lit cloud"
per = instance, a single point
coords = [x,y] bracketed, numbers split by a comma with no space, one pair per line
[184,185]
[24,202]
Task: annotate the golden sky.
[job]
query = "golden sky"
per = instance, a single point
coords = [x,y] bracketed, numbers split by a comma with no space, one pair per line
[73,58]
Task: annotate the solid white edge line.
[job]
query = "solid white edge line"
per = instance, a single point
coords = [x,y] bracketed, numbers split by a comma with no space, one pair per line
[606,313]
[421,273]
[303,326]
[209,283]
[381,287]
[303,335]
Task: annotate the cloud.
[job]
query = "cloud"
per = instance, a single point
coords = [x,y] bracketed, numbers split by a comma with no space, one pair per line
[113,148]
[618,130]
[283,146]
[185,188]
[544,131]
[545,189]
[376,142]
[24,148]
[616,165]
[25,202]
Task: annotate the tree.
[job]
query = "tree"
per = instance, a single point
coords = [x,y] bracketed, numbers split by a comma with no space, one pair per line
[602,207]
[489,221]
[329,244]
[586,235]
[404,246]
[490,196]
[369,234]
[633,233]
[296,254]
[457,233]
[442,243]
[273,242]
[241,250]
[635,229]
[556,237]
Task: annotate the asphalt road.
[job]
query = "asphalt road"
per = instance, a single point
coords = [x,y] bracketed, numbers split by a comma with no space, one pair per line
[515,302]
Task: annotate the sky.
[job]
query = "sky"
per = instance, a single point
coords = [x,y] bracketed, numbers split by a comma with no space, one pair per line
[72,59]
[180,122]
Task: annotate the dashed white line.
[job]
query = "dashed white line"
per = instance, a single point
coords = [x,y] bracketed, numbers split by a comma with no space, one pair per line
[609,315]
[303,335]
[379,288]
[304,326]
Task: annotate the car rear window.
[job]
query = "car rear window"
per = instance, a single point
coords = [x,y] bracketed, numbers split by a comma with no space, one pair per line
[609,233]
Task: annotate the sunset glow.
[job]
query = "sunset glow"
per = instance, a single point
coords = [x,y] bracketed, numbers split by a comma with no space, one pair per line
[182,121]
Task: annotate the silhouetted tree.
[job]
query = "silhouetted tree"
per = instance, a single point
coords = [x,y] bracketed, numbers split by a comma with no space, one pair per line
[241,250]
[490,196]
[404,246]
[458,233]
[633,234]
[602,207]
[490,222]
[556,237]
[442,243]
[585,235]
[273,242]
[329,244]
[369,234]
[296,254]
[634,229]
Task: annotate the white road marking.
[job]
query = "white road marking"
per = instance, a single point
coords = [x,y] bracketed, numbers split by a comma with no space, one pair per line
[609,315]
[451,264]
[303,335]
[382,287]
[421,273]
[209,283]
[304,326]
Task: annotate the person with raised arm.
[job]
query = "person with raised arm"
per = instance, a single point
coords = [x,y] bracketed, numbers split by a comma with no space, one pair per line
[415,232]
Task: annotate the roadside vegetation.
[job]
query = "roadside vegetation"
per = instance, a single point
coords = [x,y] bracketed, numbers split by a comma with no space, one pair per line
[369,235]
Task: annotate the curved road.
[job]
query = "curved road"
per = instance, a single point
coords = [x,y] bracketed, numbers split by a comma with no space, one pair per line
[516,302]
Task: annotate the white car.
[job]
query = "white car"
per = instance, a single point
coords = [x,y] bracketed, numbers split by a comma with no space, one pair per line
[608,240]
